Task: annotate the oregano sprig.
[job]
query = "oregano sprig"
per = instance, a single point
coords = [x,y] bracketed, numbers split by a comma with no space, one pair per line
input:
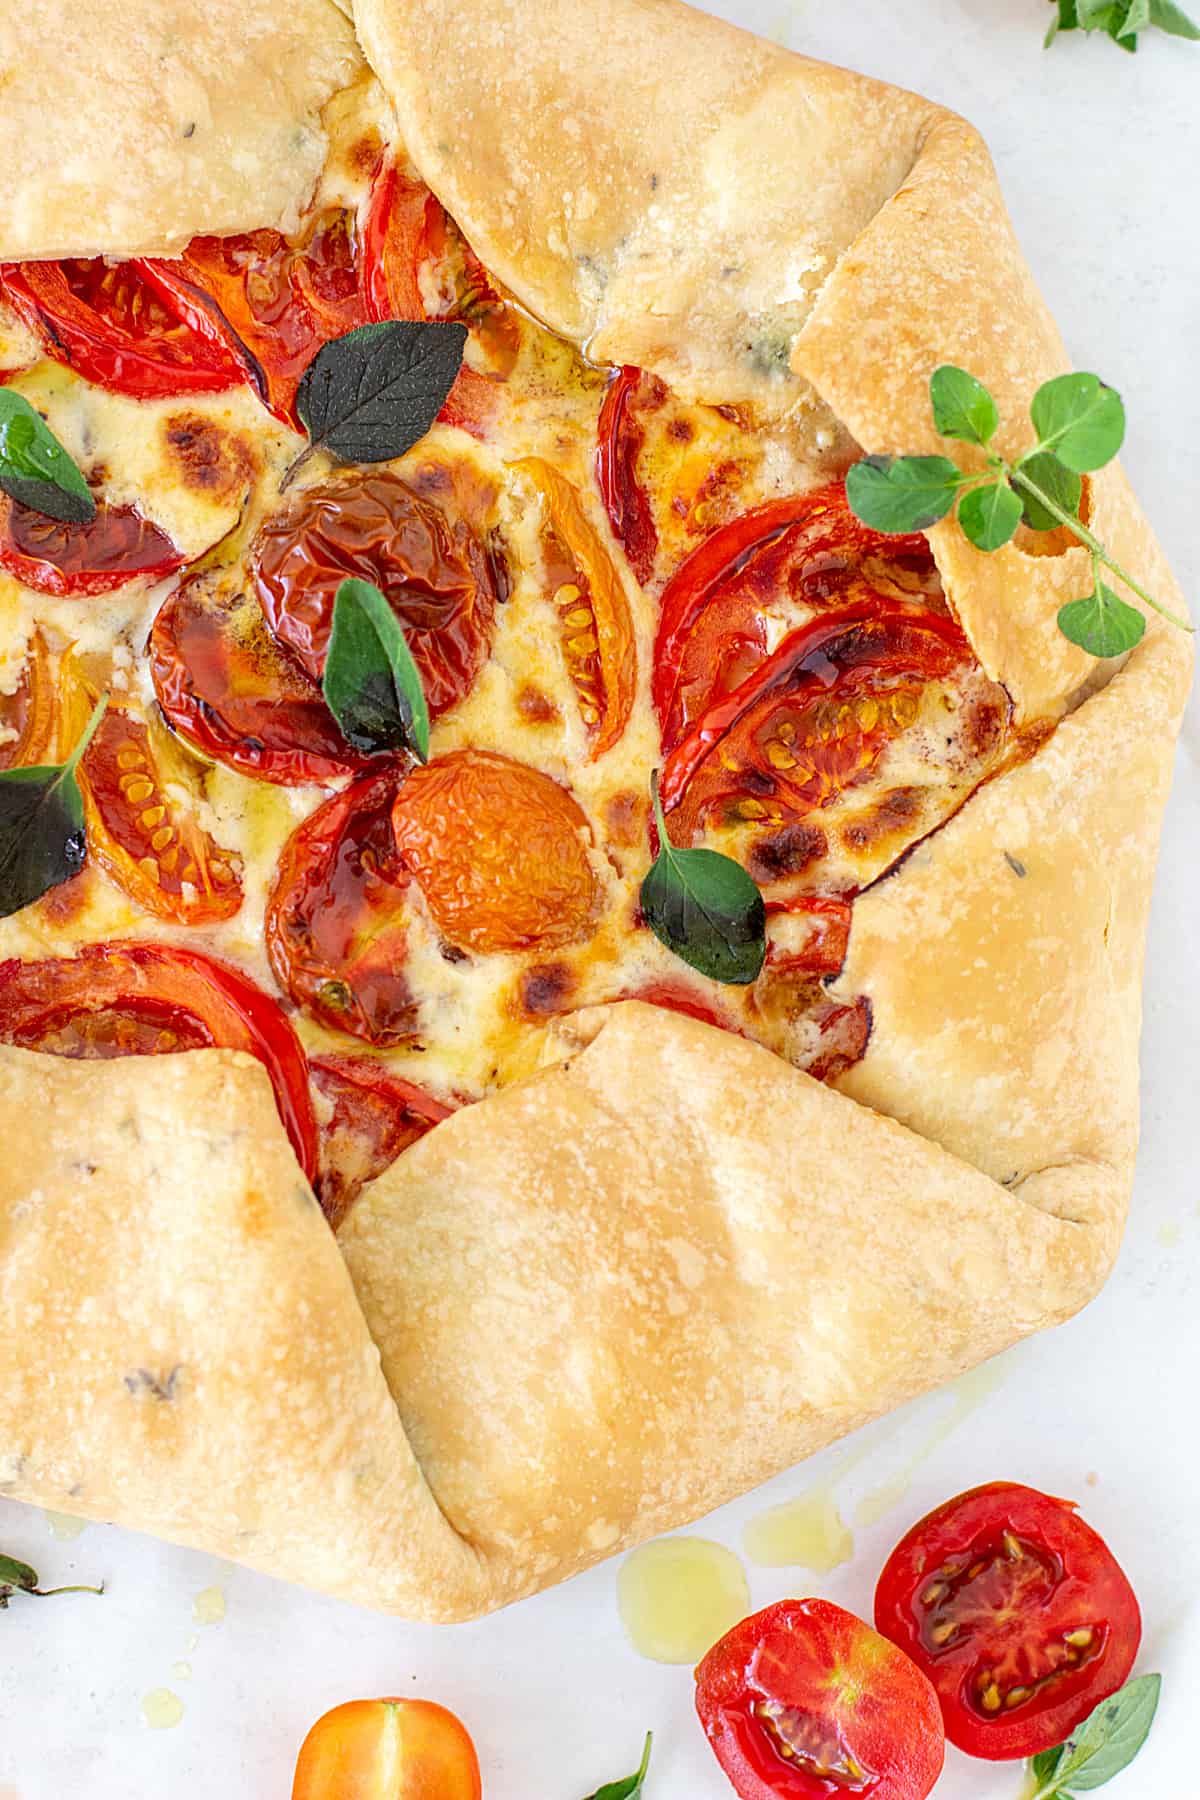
[1121,20]
[1105,1743]
[1080,426]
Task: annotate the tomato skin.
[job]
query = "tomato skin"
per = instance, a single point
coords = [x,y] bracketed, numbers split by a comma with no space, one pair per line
[387,1749]
[30,711]
[121,998]
[375,1116]
[52,557]
[857,1716]
[620,438]
[955,1574]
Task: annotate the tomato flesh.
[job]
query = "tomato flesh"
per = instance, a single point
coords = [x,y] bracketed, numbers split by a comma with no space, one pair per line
[1018,1612]
[116,546]
[28,713]
[621,436]
[387,1750]
[373,1117]
[803,1702]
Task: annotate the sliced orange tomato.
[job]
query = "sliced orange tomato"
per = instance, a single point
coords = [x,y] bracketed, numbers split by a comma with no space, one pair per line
[29,712]
[387,1750]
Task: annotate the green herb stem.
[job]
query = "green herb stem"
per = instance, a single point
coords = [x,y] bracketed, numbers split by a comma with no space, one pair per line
[88,733]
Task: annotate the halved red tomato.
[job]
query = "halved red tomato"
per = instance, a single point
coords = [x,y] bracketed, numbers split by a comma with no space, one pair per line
[1018,1612]
[374,1116]
[138,999]
[116,328]
[805,1702]
[29,713]
[116,546]
[621,435]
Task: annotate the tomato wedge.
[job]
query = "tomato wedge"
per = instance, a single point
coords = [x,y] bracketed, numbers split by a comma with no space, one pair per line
[387,1750]
[803,1702]
[1017,1611]
[373,1116]
[27,715]
[621,435]
[115,327]
[137,999]
[116,546]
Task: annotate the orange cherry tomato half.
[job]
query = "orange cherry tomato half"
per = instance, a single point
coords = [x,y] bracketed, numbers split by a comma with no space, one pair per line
[1016,1610]
[805,1702]
[373,1116]
[387,1750]
[500,852]
[620,437]
[116,546]
[139,999]
[28,714]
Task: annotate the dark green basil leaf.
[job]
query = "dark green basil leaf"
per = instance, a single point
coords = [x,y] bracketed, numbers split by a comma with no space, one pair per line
[1080,420]
[42,838]
[705,908]
[989,515]
[1056,481]
[962,406]
[370,395]
[1101,623]
[902,493]
[1109,1738]
[632,1786]
[371,684]
[35,470]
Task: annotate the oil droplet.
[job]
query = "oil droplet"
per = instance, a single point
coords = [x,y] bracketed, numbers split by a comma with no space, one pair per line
[678,1595]
[808,1533]
[208,1608]
[1169,1234]
[64,1525]
[182,1671]
[162,1709]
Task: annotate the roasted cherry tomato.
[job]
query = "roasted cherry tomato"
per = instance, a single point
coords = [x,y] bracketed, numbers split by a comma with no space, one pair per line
[432,568]
[373,1116]
[621,435]
[500,852]
[138,999]
[228,688]
[27,715]
[336,926]
[387,1750]
[810,937]
[116,328]
[597,630]
[678,996]
[116,546]
[1018,1612]
[805,1702]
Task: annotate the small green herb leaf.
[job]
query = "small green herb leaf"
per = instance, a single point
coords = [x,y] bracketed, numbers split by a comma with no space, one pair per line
[989,515]
[18,1578]
[705,908]
[1106,1742]
[632,1786]
[1080,420]
[368,396]
[1045,1763]
[35,470]
[1060,484]
[962,406]
[371,684]
[42,837]
[1171,18]
[1101,623]
[902,493]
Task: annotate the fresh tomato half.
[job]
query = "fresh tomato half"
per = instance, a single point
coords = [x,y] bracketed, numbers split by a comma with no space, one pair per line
[1018,1612]
[387,1750]
[116,546]
[373,1116]
[115,327]
[804,1701]
[27,716]
[137,999]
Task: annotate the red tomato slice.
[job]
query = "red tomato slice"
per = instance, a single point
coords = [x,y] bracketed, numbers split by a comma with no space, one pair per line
[29,712]
[678,997]
[804,1702]
[136,999]
[335,924]
[621,436]
[1018,1612]
[387,1750]
[373,1117]
[116,328]
[116,546]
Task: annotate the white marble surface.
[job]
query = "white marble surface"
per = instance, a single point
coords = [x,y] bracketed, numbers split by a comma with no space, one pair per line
[1100,156]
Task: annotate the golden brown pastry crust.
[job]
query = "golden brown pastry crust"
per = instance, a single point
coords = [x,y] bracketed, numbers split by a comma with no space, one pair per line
[610,1298]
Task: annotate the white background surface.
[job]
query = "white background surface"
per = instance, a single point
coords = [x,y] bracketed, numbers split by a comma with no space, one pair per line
[1100,158]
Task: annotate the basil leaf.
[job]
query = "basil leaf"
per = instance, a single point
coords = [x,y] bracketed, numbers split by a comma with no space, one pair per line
[1044,1765]
[705,908]
[632,1785]
[962,406]
[368,396]
[14,1574]
[1137,17]
[1171,18]
[371,684]
[1058,482]
[1110,1737]
[1102,623]
[35,470]
[902,493]
[42,837]
[989,515]
[1080,419]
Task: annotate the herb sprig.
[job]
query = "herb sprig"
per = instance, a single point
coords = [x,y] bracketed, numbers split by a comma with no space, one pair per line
[1121,20]
[1106,1742]
[1080,426]
[632,1786]
[18,1578]
[704,907]
[35,470]
[42,837]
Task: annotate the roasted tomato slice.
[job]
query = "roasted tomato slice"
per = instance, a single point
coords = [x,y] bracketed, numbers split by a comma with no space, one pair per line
[428,560]
[373,1116]
[228,688]
[27,716]
[116,546]
[598,643]
[136,999]
[621,435]
[1018,1612]
[500,852]
[678,996]
[807,551]
[387,1750]
[336,922]
[114,327]
[805,1702]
